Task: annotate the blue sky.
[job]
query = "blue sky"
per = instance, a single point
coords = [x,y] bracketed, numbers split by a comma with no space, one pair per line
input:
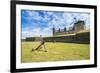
[38,22]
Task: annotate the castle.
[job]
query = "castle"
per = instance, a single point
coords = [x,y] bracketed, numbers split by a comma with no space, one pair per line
[78,26]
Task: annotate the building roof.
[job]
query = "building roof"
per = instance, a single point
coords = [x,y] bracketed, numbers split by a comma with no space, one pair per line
[79,22]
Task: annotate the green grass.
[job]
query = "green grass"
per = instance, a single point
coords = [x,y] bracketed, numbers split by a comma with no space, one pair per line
[56,52]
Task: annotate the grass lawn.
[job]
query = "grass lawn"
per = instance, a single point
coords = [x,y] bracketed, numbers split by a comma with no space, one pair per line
[55,52]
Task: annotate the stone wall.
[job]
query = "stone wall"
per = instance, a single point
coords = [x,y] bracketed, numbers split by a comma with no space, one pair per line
[78,38]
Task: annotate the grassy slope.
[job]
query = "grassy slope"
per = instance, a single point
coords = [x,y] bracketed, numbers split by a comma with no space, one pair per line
[56,52]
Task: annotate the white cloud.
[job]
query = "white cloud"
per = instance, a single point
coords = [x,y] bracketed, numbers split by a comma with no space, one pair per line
[25,34]
[33,15]
[50,13]
[46,32]
[36,30]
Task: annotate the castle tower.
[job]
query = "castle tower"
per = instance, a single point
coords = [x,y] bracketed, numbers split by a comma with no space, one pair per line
[64,29]
[79,25]
[59,30]
[53,30]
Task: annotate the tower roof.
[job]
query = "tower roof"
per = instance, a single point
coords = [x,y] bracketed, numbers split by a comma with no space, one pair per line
[79,22]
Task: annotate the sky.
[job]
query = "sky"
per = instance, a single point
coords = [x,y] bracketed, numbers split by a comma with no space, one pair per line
[39,22]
